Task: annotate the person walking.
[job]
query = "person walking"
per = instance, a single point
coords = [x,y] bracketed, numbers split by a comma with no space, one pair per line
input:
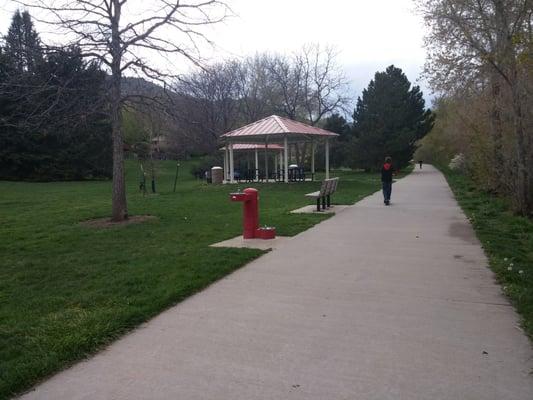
[420,163]
[387,171]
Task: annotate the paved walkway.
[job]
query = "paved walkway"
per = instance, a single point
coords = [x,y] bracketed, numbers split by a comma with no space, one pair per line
[375,303]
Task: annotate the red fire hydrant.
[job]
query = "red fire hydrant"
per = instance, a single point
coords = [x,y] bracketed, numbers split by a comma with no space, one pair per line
[251,230]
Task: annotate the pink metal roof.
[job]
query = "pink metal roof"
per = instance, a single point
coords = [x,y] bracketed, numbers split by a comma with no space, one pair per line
[276,126]
[250,146]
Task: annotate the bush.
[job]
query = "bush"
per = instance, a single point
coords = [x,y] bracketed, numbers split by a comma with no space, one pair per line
[458,163]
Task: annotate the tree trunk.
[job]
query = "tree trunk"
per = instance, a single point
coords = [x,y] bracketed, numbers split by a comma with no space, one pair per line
[507,57]
[302,153]
[297,154]
[524,189]
[498,168]
[119,204]
[501,170]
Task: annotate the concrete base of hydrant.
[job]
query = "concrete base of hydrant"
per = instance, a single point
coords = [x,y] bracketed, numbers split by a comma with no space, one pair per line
[260,244]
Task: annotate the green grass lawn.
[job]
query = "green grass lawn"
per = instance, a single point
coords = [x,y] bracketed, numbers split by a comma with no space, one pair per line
[66,290]
[507,240]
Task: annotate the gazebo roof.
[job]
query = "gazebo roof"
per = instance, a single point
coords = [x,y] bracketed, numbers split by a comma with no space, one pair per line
[252,146]
[275,127]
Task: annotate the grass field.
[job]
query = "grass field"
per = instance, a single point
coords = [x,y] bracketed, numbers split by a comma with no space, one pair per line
[66,290]
[507,240]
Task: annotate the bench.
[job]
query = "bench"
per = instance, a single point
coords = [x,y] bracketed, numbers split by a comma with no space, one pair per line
[329,186]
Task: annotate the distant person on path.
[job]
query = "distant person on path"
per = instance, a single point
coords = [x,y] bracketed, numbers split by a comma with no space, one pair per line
[386,179]
[420,162]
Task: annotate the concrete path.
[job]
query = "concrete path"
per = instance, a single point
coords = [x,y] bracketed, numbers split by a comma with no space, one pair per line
[376,303]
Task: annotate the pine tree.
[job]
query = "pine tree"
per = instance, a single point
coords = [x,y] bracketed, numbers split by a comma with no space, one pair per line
[22,44]
[389,119]
[53,122]
[338,124]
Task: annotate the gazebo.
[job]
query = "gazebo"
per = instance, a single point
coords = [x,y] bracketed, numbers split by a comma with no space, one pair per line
[275,130]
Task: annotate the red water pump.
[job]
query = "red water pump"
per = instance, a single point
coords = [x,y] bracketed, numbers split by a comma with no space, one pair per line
[250,199]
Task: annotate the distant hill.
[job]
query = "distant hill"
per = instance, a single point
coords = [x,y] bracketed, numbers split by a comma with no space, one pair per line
[140,86]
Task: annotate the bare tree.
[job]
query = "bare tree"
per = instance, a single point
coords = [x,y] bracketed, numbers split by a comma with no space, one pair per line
[211,98]
[256,87]
[123,35]
[288,79]
[310,86]
[325,86]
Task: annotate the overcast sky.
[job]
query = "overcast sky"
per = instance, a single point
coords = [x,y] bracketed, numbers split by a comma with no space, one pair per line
[368,34]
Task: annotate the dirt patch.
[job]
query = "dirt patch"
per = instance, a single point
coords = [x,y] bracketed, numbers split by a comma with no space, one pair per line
[107,223]
[464,231]
[463,259]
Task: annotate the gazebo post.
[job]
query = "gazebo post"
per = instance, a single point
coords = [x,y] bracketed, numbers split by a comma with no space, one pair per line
[226,162]
[275,166]
[231,164]
[286,159]
[266,161]
[256,170]
[313,150]
[280,157]
[327,158]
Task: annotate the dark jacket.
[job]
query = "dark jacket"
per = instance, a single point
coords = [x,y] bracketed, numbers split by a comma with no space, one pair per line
[386,172]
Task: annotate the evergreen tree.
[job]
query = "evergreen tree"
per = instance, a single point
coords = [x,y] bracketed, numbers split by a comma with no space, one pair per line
[76,130]
[337,123]
[53,124]
[22,44]
[389,119]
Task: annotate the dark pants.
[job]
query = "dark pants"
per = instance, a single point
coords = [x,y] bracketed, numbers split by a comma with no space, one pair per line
[387,190]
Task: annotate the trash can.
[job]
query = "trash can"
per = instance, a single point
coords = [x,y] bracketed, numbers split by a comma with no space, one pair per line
[293,169]
[217,175]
